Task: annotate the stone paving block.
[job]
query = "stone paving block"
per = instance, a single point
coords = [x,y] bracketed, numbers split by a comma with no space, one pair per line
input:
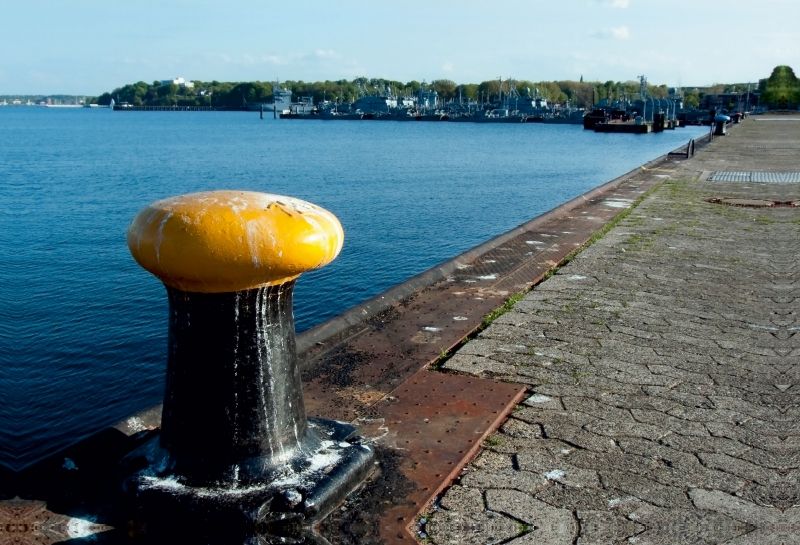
[519,429]
[460,498]
[510,333]
[732,507]
[508,445]
[572,498]
[779,428]
[677,395]
[680,373]
[542,416]
[489,347]
[605,528]
[640,401]
[704,390]
[596,408]
[709,415]
[691,444]
[557,470]
[786,460]
[551,526]
[512,479]
[659,450]
[476,365]
[518,319]
[738,467]
[646,489]
[626,429]
[684,526]
[745,436]
[491,460]
[465,521]
[578,436]
[577,389]
[539,376]
[666,423]
[782,495]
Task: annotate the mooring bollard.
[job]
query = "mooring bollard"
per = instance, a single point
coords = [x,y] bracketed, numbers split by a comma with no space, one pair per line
[235,440]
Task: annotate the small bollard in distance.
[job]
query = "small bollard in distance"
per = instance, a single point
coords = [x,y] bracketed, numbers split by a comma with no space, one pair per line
[235,442]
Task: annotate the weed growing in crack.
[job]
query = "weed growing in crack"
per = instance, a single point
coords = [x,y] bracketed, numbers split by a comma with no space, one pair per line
[493,441]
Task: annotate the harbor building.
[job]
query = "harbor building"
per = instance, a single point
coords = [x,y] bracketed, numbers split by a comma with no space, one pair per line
[180,82]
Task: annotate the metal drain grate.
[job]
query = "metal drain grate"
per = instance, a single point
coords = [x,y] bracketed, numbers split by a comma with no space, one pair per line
[756,177]
[754,203]
[777,146]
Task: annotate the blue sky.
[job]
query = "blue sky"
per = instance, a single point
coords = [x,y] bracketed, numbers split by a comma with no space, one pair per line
[91,46]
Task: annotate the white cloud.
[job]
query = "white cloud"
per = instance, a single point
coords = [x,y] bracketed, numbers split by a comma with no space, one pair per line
[622,4]
[326,53]
[620,33]
[614,33]
[447,67]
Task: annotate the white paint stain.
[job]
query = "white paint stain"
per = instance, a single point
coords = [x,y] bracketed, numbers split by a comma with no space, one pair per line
[555,474]
[618,204]
[538,398]
[81,528]
[253,241]
[160,238]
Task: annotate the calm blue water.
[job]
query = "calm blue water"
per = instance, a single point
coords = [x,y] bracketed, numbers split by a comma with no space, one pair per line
[83,328]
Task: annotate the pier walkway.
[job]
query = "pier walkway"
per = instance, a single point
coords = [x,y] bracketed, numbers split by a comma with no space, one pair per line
[662,366]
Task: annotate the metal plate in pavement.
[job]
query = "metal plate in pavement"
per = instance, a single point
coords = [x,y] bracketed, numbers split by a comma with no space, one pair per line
[436,422]
[756,177]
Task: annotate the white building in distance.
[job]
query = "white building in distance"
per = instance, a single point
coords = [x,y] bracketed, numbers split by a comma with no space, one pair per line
[180,82]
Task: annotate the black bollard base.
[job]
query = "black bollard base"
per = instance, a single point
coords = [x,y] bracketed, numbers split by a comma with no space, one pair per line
[297,495]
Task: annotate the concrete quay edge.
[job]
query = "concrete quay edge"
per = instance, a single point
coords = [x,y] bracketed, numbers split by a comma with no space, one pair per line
[376,304]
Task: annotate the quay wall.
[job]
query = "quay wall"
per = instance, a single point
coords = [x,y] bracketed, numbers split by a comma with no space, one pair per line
[364,311]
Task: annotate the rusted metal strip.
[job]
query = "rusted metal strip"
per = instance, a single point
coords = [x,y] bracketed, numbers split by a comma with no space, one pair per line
[436,422]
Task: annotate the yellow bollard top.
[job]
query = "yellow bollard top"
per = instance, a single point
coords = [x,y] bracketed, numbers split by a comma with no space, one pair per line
[224,241]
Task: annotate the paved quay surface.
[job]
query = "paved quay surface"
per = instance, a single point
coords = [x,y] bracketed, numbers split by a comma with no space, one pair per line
[662,367]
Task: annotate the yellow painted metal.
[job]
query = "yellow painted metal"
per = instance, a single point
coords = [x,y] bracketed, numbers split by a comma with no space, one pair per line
[224,241]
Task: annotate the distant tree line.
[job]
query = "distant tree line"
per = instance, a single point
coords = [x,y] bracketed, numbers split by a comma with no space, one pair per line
[233,95]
